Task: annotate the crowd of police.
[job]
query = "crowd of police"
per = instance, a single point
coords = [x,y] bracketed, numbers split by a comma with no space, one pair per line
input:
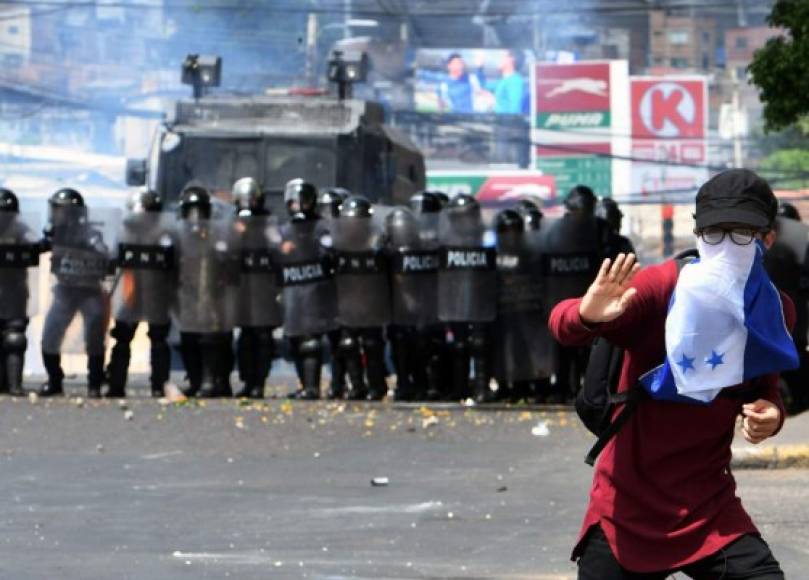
[458,303]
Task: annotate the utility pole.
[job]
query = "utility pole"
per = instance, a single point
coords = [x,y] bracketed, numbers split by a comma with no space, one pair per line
[737,113]
[311,49]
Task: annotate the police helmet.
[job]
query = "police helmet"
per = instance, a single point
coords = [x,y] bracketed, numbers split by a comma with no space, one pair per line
[195,197]
[608,210]
[402,228]
[530,212]
[581,200]
[147,200]
[788,211]
[356,206]
[300,196]
[426,202]
[66,197]
[463,201]
[330,200]
[442,197]
[248,196]
[8,201]
[509,221]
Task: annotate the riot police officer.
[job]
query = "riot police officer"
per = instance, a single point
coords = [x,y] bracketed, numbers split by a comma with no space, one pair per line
[531,214]
[786,263]
[523,344]
[258,312]
[207,274]
[574,250]
[415,333]
[363,303]
[142,292]
[19,251]
[607,210]
[309,295]
[328,208]
[467,295]
[80,260]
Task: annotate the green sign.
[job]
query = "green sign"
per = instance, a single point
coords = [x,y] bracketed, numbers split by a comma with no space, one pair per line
[572,170]
[572,121]
[454,184]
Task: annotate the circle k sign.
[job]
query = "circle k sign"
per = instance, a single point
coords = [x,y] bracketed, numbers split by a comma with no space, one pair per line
[668,108]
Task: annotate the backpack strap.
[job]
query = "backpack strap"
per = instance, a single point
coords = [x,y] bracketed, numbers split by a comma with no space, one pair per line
[630,399]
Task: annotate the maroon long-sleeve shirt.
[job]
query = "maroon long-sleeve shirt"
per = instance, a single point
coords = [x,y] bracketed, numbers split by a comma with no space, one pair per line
[662,489]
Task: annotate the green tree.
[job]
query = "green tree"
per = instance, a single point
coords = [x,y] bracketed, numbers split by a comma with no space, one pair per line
[785,168]
[780,69]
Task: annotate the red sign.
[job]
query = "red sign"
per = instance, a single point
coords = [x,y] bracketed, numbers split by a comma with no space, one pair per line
[668,108]
[578,87]
[517,186]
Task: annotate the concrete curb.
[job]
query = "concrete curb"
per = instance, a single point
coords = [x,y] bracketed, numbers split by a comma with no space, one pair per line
[770,457]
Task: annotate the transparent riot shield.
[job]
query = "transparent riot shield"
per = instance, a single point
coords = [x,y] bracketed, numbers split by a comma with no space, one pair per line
[257,296]
[467,281]
[524,346]
[361,273]
[414,263]
[571,258]
[143,288]
[19,260]
[208,259]
[309,297]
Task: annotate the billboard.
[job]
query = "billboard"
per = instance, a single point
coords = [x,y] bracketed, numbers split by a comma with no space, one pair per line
[669,129]
[580,116]
[469,81]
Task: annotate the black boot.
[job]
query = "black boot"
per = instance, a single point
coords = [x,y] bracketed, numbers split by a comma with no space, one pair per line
[118,369]
[160,358]
[338,368]
[95,375]
[402,348]
[311,363]
[53,366]
[350,351]
[14,346]
[373,345]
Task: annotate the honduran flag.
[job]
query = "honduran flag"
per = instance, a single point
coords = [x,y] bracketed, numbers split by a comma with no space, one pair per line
[725,325]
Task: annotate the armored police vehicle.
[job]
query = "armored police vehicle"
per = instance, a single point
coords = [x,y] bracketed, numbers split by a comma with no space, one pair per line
[329,140]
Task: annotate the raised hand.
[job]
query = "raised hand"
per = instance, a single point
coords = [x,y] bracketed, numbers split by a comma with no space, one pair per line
[609,295]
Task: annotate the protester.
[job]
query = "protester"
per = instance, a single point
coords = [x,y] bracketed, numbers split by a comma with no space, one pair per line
[663,497]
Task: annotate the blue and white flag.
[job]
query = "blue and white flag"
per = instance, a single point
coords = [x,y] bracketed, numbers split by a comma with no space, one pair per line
[725,325]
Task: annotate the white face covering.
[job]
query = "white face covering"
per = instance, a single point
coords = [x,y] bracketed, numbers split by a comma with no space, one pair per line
[705,328]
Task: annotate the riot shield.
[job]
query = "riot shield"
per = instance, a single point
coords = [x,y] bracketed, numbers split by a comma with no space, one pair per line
[467,280]
[414,263]
[19,261]
[361,276]
[207,275]
[257,299]
[524,346]
[144,285]
[793,235]
[572,256]
[309,297]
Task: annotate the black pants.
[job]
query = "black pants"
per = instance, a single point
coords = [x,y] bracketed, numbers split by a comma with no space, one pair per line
[160,354]
[747,558]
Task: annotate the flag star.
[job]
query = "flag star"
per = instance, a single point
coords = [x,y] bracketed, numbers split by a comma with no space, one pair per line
[715,359]
[686,363]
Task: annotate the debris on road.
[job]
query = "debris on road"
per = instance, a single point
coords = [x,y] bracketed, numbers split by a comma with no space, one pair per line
[540,429]
[380,482]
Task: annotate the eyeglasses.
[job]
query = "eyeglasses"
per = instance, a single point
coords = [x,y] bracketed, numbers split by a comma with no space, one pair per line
[739,236]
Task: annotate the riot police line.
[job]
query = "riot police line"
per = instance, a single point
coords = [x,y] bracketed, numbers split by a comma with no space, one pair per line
[458,302]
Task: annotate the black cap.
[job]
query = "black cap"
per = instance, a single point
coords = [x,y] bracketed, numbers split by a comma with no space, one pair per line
[736,196]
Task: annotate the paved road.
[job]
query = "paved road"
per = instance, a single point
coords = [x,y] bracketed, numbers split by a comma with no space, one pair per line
[280,490]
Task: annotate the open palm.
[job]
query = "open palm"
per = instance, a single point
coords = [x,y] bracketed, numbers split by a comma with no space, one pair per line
[610,294]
